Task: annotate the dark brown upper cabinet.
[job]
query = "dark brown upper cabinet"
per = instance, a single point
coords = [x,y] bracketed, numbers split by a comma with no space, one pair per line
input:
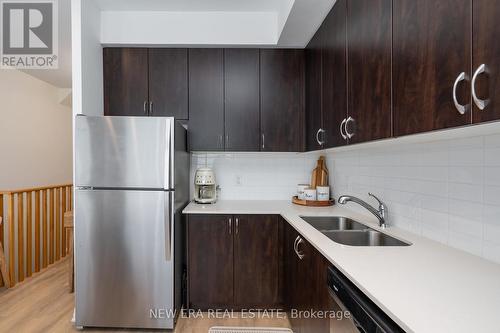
[486,60]
[369,38]
[282,100]
[168,83]
[145,82]
[326,81]
[206,99]
[334,75]
[241,99]
[210,261]
[257,261]
[432,47]
[125,81]
[314,107]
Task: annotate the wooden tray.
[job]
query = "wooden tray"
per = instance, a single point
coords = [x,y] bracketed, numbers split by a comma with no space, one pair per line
[313,203]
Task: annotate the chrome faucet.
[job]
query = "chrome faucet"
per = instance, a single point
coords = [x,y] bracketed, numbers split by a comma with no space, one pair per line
[380,213]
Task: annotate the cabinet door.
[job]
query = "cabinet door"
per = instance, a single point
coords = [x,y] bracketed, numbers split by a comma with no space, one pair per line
[369,69]
[206,99]
[257,261]
[282,99]
[486,50]
[168,83]
[291,296]
[241,108]
[210,261]
[334,74]
[125,81]
[431,47]
[313,63]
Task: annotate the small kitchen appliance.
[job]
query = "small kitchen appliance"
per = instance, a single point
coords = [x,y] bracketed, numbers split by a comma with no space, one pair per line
[205,188]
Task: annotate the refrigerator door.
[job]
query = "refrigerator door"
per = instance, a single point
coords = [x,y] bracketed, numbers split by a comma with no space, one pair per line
[124,152]
[123,252]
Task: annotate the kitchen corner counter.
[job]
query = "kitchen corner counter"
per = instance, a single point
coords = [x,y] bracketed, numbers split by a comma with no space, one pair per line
[425,287]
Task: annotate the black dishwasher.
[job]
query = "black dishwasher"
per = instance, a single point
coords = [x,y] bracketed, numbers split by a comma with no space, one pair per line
[366,315]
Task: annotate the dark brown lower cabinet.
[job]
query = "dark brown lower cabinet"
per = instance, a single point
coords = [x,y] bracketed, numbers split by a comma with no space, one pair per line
[306,287]
[210,261]
[234,262]
[257,261]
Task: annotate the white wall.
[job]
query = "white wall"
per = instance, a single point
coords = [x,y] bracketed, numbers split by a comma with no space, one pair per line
[87,58]
[35,133]
[447,189]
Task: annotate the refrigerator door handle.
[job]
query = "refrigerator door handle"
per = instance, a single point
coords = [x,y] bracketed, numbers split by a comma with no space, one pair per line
[168,152]
[169,216]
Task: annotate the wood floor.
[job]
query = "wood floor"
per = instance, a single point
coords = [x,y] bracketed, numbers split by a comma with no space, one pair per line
[43,304]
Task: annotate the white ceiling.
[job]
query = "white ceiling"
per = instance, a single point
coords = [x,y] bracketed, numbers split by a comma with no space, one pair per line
[60,77]
[296,23]
[191,5]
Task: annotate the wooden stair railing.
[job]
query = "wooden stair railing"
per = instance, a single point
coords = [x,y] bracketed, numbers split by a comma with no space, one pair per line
[34,219]
[4,273]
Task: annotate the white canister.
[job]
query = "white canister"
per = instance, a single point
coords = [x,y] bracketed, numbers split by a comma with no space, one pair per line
[323,193]
[300,190]
[310,194]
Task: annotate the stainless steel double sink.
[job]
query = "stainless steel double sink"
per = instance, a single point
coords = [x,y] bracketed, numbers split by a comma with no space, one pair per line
[346,231]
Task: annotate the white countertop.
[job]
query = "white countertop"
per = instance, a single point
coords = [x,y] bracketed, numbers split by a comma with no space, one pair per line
[425,287]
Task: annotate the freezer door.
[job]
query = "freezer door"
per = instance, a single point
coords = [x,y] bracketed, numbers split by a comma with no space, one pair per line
[123,252]
[124,152]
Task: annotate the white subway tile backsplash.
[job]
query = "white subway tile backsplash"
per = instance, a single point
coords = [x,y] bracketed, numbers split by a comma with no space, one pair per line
[435,233]
[466,157]
[492,141]
[469,192]
[491,251]
[465,226]
[446,190]
[492,195]
[492,174]
[466,174]
[466,242]
[492,157]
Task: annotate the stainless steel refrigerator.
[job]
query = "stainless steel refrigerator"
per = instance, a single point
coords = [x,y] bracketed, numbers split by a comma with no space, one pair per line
[131,183]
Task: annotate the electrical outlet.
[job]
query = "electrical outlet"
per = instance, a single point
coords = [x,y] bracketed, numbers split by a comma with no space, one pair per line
[239,180]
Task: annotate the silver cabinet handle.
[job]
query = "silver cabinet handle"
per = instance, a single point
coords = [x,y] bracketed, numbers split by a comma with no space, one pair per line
[145,107]
[263,141]
[298,241]
[317,136]
[230,225]
[220,141]
[349,135]
[480,103]
[460,108]
[342,129]
[227,141]
[237,225]
[151,107]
